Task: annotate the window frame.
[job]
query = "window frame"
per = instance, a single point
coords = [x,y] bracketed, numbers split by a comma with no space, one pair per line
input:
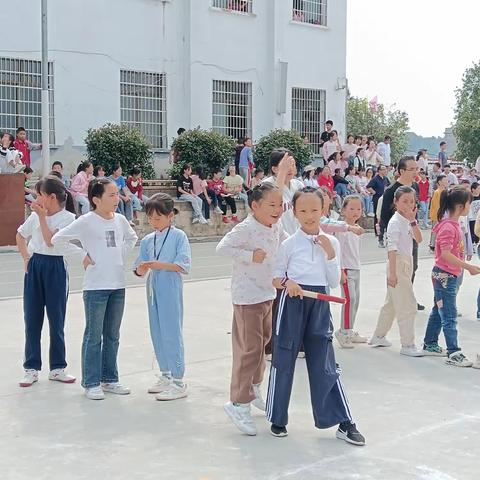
[318,9]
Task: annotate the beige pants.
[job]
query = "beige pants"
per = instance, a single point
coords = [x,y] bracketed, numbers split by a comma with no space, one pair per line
[251,331]
[400,303]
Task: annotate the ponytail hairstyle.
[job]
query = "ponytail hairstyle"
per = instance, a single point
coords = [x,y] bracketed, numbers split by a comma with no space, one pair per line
[53,185]
[259,192]
[69,204]
[83,166]
[451,198]
[96,189]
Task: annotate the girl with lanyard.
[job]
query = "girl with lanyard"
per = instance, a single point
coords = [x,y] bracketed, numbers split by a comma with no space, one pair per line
[165,253]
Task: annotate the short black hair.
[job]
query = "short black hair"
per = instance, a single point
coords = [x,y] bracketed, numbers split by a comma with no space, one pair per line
[161,204]
[438,164]
[329,122]
[96,189]
[475,185]
[259,192]
[97,169]
[115,167]
[277,155]
[447,166]
[387,137]
[443,143]
[20,129]
[57,162]
[305,190]
[402,164]
[27,170]
[185,168]
[135,171]
[180,131]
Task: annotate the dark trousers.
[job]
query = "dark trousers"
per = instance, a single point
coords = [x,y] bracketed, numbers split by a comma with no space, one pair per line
[206,206]
[307,321]
[45,287]
[230,201]
[381,228]
[415,259]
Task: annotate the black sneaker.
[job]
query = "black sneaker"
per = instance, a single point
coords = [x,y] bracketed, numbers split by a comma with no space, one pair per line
[420,307]
[348,431]
[381,244]
[278,431]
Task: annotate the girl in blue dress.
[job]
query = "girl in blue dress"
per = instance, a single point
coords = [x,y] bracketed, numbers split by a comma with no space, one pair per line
[165,255]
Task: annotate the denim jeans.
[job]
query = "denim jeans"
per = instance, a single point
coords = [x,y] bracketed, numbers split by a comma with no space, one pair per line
[444,311]
[424,213]
[195,202]
[103,315]
[367,204]
[126,209]
[83,204]
[478,305]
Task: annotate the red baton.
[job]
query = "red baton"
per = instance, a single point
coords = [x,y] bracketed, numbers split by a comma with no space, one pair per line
[324,297]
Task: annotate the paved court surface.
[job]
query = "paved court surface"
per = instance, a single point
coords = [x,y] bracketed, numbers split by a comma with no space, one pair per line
[421,418]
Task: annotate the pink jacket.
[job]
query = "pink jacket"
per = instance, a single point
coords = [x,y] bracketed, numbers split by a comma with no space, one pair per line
[449,237]
[80,184]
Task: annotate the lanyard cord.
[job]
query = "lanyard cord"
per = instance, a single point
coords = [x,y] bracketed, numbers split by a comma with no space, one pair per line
[163,243]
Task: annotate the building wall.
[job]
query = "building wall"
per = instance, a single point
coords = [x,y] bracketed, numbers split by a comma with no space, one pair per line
[193,43]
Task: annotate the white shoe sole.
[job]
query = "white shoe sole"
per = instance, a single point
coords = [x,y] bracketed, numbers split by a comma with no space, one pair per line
[259,404]
[455,364]
[27,384]
[161,398]
[241,427]
[342,343]
[476,366]
[415,355]
[95,397]
[279,435]
[116,392]
[57,379]
[344,437]
[426,353]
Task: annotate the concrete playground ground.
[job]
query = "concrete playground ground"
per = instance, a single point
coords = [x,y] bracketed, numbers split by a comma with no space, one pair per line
[420,417]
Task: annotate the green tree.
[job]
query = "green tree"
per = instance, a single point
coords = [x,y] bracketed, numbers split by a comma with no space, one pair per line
[467,115]
[201,148]
[112,144]
[289,139]
[361,120]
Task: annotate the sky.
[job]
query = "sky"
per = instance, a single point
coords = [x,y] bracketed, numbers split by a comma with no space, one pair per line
[412,55]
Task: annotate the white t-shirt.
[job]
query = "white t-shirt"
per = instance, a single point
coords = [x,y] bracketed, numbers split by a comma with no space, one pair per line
[252,282]
[306,263]
[106,242]
[289,222]
[399,235]
[7,156]
[350,250]
[31,229]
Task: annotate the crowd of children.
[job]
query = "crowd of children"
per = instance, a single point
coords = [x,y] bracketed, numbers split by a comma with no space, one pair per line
[287,256]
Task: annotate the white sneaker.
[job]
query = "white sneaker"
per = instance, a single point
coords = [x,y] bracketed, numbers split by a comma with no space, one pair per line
[379,342]
[240,416]
[195,220]
[29,378]
[371,214]
[60,375]
[343,339]
[458,359]
[218,210]
[115,387]
[355,337]
[162,384]
[203,221]
[476,363]
[172,392]
[259,402]
[411,351]
[95,393]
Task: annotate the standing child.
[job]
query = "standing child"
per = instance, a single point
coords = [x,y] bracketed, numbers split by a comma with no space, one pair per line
[400,302]
[308,260]
[25,146]
[449,264]
[46,280]
[350,278]
[165,253]
[474,209]
[424,197]
[106,237]
[253,246]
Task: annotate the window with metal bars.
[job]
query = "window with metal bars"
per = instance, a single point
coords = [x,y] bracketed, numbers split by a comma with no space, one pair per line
[308,114]
[21,97]
[310,11]
[143,104]
[244,6]
[232,108]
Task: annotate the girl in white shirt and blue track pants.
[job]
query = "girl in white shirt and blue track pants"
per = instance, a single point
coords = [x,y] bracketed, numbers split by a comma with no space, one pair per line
[308,260]
[106,237]
[46,280]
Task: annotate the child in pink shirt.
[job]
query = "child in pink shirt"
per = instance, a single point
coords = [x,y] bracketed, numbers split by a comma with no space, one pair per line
[449,263]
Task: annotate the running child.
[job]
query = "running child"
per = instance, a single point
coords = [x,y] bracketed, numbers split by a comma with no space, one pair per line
[400,302]
[253,245]
[449,264]
[106,236]
[350,277]
[165,254]
[46,280]
[308,260]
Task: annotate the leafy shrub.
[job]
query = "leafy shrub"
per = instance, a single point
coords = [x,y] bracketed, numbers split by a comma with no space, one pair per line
[112,144]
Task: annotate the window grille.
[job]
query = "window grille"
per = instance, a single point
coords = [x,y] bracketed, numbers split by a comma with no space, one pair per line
[143,104]
[244,6]
[308,114]
[21,97]
[310,11]
[232,108]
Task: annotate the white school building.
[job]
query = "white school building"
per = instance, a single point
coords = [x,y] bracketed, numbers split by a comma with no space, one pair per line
[241,67]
